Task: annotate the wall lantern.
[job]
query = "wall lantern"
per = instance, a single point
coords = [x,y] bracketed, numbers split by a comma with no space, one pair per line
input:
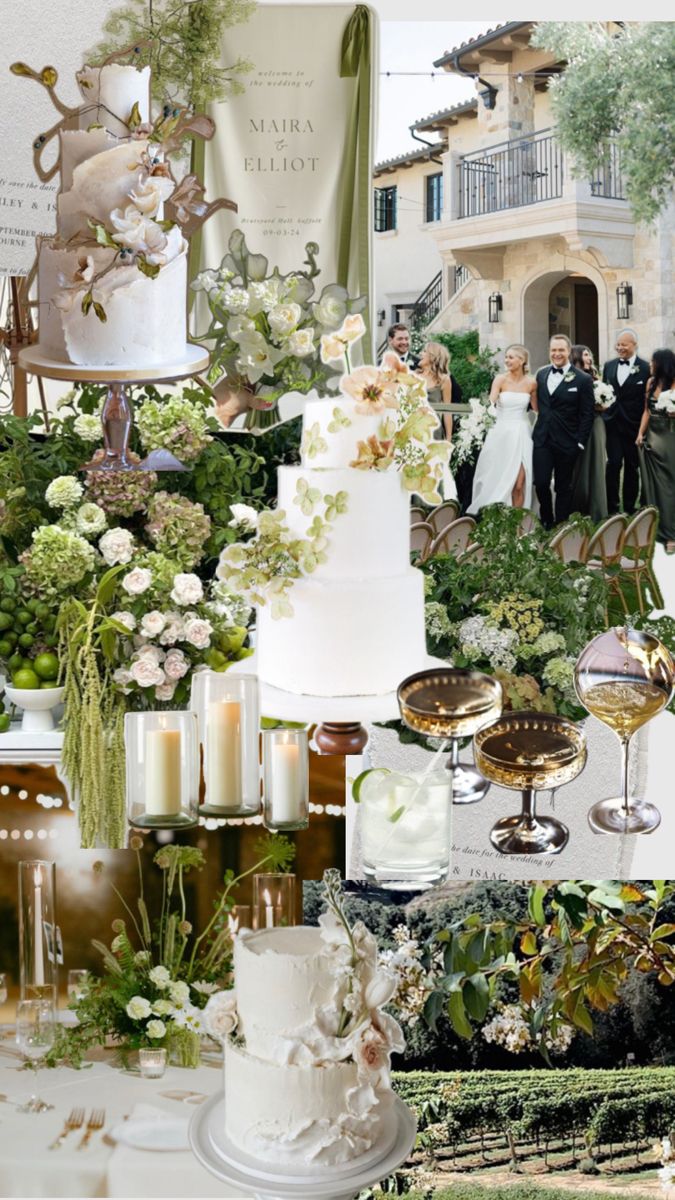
[381,316]
[624,301]
[495,305]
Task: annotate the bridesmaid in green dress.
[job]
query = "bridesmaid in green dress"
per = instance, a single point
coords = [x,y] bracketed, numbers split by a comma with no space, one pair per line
[590,490]
[656,440]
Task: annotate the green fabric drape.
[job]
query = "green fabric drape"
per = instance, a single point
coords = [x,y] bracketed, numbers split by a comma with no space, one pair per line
[657,467]
[355,178]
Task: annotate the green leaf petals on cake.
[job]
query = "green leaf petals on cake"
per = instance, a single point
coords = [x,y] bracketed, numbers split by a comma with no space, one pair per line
[336,505]
[312,442]
[306,497]
[340,421]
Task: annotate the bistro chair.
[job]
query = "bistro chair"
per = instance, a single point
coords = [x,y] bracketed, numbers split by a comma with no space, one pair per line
[417,514]
[528,523]
[605,549]
[443,515]
[637,565]
[454,539]
[570,544]
[421,538]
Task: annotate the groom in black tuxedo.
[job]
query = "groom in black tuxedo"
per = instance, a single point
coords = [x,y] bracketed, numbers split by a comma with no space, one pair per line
[628,375]
[565,418]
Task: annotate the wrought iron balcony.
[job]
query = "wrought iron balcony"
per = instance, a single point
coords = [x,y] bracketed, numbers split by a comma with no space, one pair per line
[526,170]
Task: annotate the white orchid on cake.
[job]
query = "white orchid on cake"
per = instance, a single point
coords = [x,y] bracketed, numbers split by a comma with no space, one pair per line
[267,331]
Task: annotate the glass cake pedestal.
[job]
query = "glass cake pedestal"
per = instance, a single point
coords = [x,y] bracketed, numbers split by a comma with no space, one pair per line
[340,720]
[266,1181]
[117,414]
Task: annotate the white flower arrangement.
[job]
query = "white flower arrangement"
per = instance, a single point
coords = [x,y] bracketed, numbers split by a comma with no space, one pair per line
[508,1028]
[472,430]
[666,403]
[604,395]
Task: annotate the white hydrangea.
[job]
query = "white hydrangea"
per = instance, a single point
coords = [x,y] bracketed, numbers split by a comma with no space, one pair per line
[235,300]
[479,639]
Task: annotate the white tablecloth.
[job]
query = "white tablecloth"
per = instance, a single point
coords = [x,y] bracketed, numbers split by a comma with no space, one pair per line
[28,1168]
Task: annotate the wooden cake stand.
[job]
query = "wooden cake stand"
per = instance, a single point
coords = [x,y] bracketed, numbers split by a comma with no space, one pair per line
[117,415]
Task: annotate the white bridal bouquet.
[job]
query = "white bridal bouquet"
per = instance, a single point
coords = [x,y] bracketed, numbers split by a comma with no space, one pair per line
[604,395]
[666,403]
[472,430]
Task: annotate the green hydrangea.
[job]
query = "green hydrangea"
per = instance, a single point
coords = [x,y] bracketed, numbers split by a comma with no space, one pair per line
[178,528]
[88,427]
[174,423]
[547,643]
[90,520]
[64,492]
[58,560]
[438,624]
[559,673]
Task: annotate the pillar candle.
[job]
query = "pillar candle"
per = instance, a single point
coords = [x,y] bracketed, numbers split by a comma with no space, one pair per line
[162,772]
[223,755]
[287,783]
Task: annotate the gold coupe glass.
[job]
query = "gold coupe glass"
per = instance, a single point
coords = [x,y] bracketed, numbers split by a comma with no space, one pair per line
[452,703]
[624,677]
[528,751]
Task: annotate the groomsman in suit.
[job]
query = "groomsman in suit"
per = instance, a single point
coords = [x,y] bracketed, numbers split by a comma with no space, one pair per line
[628,375]
[566,407]
[398,338]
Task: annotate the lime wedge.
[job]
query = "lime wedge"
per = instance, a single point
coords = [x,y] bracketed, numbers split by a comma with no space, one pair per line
[360,780]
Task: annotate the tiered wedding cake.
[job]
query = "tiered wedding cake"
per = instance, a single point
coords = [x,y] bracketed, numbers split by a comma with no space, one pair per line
[112,283]
[307,1059]
[358,619]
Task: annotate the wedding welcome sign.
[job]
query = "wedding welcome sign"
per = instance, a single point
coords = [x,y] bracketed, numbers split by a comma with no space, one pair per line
[294,151]
[27,206]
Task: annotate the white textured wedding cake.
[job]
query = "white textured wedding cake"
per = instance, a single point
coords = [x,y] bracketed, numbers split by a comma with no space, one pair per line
[112,283]
[358,620]
[308,1053]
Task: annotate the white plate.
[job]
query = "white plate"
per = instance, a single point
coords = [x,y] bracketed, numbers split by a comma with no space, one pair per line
[153,1133]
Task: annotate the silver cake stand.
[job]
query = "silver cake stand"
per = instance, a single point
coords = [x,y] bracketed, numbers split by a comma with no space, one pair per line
[117,412]
[264,1181]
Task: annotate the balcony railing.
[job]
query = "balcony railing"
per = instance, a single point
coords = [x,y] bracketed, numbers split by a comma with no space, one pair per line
[429,303]
[526,170]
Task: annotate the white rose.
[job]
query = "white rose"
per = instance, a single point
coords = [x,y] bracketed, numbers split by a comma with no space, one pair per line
[187,589]
[125,618]
[220,1015]
[152,624]
[117,546]
[155,1029]
[162,1008]
[122,678]
[301,343]
[284,318]
[174,630]
[137,581]
[150,192]
[179,992]
[150,653]
[160,977]
[198,633]
[176,665]
[244,517]
[165,691]
[138,232]
[146,673]
[138,1008]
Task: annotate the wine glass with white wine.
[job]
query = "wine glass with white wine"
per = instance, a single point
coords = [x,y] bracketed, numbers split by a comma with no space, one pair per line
[624,677]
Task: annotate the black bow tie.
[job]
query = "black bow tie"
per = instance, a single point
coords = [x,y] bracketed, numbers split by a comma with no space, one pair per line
[624,362]
[557,370]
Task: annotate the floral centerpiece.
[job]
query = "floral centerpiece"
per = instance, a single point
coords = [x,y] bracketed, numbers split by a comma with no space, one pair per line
[158,975]
[666,403]
[266,330]
[472,430]
[604,395]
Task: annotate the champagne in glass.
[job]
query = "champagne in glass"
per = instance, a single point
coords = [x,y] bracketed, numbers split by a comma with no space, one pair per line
[452,703]
[624,677]
[529,751]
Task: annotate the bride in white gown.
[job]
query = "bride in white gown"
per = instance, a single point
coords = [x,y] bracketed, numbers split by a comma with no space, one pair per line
[504,468]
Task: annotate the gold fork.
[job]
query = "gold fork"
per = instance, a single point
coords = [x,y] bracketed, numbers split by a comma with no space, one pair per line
[95,1122]
[74,1121]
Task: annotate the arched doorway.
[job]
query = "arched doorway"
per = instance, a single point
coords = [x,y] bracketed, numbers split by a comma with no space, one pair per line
[560,302]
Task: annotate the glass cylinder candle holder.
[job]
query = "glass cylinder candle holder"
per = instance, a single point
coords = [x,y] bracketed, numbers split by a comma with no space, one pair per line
[162,752]
[286,779]
[228,714]
[152,1063]
[38,936]
[273,900]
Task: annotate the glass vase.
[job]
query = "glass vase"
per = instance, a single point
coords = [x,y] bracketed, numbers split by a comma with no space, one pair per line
[162,765]
[38,932]
[184,1047]
[286,779]
[228,715]
[273,900]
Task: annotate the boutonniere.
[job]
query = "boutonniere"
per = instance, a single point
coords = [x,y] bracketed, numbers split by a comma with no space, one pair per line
[568,377]
[635,370]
